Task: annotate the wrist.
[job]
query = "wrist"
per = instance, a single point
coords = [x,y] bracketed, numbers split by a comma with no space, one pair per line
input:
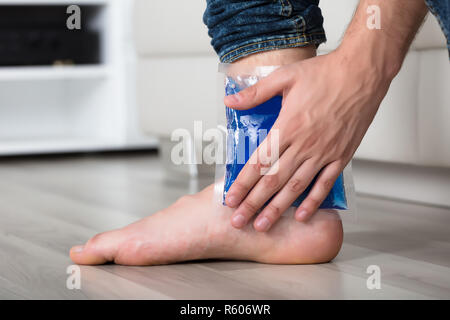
[375,54]
[382,47]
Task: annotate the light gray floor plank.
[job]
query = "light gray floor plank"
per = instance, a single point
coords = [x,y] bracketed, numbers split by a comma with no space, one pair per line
[49,204]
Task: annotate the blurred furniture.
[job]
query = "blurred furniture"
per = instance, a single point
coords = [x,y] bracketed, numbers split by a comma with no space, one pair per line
[177,85]
[62,107]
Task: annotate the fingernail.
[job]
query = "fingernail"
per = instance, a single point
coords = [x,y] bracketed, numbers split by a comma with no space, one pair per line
[238,221]
[263,224]
[232,201]
[301,215]
[77,249]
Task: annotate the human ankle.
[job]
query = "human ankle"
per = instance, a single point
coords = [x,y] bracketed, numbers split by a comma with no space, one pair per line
[277,57]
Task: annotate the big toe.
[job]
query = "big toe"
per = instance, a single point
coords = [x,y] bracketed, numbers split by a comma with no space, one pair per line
[100,249]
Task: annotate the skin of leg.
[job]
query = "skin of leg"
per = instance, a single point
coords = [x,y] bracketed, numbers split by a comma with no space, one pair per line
[272,58]
[196,228]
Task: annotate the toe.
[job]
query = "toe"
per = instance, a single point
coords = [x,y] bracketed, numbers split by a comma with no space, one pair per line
[99,249]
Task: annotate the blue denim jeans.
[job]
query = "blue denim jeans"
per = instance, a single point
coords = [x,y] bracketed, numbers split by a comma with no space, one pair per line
[239,28]
[242,27]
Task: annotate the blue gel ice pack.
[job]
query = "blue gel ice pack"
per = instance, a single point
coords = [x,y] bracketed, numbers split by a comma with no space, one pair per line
[244,127]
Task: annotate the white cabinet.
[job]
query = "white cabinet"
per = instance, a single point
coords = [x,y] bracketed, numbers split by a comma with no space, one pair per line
[75,108]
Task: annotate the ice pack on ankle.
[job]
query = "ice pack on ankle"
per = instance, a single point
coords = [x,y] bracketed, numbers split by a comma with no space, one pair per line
[244,128]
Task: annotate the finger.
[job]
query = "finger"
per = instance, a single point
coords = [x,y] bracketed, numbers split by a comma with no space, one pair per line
[259,163]
[319,191]
[265,188]
[99,249]
[260,92]
[295,186]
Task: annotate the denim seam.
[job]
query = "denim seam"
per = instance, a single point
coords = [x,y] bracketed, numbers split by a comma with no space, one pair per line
[269,40]
[302,42]
[273,48]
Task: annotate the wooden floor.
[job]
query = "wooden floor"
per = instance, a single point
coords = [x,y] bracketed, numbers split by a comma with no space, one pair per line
[47,205]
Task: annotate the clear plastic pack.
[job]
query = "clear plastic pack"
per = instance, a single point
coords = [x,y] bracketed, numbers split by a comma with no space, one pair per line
[245,130]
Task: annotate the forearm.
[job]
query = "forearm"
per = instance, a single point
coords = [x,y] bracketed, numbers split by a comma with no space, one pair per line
[383,50]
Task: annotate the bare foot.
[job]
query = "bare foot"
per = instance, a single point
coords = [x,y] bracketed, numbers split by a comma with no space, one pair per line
[196,228]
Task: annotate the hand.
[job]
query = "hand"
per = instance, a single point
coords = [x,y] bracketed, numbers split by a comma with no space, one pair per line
[328,104]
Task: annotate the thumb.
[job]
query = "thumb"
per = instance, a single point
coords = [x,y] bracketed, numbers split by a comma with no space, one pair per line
[260,92]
